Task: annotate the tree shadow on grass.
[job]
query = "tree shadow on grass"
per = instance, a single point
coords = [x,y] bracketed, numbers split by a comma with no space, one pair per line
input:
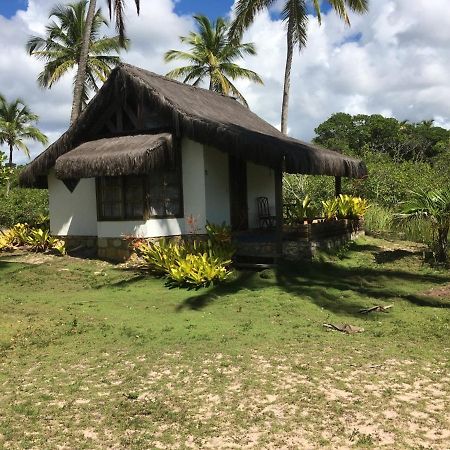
[391,256]
[243,280]
[340,290]
[346,290]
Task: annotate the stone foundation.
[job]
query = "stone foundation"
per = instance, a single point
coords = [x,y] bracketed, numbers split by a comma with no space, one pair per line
[114,249]
[76,242]
[300,242]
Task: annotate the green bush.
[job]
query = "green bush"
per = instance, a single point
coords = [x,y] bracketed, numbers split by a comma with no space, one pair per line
[36,239]
[24,206]
[388,183]
[383,221]
[192,264]
[344,207]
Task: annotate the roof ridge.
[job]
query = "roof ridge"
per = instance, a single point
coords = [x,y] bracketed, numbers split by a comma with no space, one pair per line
[180,83]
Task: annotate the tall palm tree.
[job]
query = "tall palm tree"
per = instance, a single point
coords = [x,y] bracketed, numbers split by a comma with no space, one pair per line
[116,9]
[211,57]
[61,47]
[18,125]
[295,16]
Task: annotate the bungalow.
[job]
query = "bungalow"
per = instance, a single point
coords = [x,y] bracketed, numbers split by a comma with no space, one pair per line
[152,157]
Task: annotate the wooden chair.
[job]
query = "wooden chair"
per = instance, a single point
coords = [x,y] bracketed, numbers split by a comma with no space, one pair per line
[266,220]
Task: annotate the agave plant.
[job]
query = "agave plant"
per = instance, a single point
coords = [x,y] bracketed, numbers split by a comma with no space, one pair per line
[433,206]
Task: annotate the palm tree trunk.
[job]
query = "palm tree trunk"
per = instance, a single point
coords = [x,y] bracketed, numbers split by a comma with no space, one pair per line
[287,79]
[442,245]
[82,64]
[8,182]
[11,149]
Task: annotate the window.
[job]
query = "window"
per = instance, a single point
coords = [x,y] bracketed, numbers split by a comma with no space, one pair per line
[132,197]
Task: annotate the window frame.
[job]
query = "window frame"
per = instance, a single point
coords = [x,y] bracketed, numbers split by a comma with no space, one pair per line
[146,196]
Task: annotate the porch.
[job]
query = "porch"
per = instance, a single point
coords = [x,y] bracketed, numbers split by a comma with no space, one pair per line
[299,242]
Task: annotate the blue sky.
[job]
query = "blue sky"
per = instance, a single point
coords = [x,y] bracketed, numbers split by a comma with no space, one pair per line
[212,8]
[9,7]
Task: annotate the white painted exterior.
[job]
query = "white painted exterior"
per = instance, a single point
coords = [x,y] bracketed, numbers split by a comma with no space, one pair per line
[206,196]
[72,213]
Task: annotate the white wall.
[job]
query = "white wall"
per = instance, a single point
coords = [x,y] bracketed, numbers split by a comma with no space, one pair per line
[193,197]
[194,203]
[260,183]
[217,185]
[205,192]
[72,213]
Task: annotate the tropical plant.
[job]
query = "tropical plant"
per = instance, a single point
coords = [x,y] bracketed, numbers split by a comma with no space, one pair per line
[116,9]
[211,58]
[195,271]
[61,48]
[17,236]
[295,15]
[40,240]
[36,239]
[345,207]
[219,243]
[196,263]
[330,208]
[434,206]
[18,125]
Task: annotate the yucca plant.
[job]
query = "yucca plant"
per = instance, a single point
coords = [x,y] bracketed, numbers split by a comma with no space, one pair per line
[433,206]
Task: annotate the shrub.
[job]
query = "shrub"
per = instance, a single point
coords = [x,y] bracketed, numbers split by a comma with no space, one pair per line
[434,207]
[345,207]
[191,264]
[36,239]
[40,240]
[24,206]
[198,271]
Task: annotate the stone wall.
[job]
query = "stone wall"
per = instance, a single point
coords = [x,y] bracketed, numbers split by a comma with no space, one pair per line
[115,249]
[301,242]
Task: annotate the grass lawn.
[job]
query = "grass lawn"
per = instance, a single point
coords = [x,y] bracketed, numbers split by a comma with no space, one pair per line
[95,356]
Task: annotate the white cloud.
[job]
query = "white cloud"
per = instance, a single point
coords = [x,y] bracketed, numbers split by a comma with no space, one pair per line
[398,66]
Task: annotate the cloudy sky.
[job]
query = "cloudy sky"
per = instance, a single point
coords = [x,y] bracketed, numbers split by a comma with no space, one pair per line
[394,61]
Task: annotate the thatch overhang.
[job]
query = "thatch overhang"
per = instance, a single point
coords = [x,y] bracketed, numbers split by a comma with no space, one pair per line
[122,155]
[203,116]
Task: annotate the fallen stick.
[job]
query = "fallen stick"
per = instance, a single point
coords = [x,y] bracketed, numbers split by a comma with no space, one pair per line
[378,308]
[343,328]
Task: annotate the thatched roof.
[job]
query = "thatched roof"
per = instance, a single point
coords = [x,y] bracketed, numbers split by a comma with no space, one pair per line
[203,116]
[123,155]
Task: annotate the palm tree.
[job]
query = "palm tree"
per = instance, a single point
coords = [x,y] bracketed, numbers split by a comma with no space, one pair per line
[17,125]
[295,16]
[116,9]
[211,58]
[61,48]
[433,206]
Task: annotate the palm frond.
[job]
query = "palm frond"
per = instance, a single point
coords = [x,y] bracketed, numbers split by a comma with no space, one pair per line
[212,56]
[246,11]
